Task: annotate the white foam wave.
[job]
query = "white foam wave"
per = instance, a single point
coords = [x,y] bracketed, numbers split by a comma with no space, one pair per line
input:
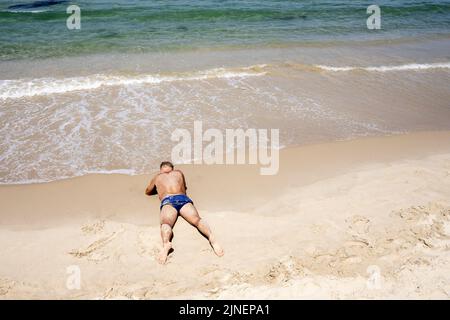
[405,67]
[127,172]
[14,89]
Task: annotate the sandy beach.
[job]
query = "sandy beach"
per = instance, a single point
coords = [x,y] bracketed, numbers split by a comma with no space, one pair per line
[359,219]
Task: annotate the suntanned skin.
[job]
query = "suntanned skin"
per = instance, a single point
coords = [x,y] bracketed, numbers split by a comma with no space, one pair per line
[172,182]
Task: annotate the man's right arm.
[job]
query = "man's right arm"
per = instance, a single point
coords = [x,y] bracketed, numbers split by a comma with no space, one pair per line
[151,188]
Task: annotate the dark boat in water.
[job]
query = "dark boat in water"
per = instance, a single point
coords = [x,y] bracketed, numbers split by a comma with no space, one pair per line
[36,4]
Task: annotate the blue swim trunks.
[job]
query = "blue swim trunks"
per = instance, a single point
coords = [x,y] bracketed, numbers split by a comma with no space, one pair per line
[177,201]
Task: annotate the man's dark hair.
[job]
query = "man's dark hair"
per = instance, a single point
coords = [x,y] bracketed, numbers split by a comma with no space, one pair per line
[166,163]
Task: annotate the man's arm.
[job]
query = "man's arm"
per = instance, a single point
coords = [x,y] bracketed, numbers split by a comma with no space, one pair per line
[151,188]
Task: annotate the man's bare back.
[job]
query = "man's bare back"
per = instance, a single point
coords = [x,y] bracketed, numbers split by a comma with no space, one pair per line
[170,185]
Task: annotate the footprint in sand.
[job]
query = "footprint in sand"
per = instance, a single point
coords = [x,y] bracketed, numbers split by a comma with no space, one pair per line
[93,228]
[428,225]
[6,285]
[285,269]
[358,224]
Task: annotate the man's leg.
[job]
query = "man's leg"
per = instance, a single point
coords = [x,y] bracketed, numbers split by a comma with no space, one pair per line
[190,214]
[168,218]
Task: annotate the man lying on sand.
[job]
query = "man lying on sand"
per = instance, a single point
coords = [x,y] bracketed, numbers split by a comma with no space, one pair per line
[170,186]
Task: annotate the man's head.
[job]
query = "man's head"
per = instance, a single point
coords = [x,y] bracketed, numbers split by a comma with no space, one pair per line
[165,167]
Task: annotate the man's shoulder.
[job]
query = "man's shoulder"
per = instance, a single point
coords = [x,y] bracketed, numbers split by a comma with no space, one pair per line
[157,176]
[177,170]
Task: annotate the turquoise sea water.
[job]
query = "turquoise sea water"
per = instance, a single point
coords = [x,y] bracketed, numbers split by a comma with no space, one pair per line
[38,29]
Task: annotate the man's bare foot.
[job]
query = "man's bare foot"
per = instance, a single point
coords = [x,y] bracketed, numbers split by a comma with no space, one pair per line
[216,246]
[164,253]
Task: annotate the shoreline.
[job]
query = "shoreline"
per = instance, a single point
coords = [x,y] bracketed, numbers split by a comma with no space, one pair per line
[298,166]
[126,172]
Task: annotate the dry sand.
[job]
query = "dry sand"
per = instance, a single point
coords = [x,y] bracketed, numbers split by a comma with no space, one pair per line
[367,218]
